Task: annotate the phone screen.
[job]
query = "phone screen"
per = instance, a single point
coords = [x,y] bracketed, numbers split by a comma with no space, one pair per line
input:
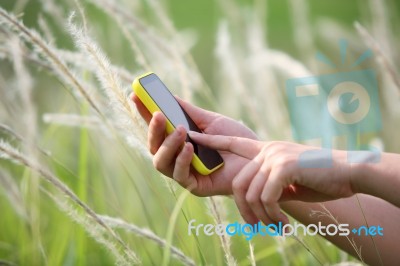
[177,116]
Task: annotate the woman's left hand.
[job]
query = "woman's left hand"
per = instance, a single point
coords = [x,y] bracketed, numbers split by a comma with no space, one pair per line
[281,171]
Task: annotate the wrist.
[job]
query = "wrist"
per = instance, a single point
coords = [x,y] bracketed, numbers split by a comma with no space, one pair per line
[357,173]
[366,176]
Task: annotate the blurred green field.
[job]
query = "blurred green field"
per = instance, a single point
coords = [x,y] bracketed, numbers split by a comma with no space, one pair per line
[208,52]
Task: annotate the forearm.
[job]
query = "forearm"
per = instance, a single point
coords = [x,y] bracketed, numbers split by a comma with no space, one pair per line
[376,211]
[381,179]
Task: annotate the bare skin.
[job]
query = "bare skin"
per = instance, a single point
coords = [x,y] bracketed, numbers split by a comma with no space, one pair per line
[264,177]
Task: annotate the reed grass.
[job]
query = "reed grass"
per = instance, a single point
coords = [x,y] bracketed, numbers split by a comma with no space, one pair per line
[216,210]
[10,153]
[81,134]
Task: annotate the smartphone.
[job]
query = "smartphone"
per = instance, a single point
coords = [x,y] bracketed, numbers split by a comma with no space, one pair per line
[156,97]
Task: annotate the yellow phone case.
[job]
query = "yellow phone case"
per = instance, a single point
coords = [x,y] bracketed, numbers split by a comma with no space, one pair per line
[153,107]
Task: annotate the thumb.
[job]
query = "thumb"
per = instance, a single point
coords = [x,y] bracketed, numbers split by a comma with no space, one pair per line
[244,147]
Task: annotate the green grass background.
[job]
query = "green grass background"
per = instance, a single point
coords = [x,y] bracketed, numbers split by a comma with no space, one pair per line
[117,181]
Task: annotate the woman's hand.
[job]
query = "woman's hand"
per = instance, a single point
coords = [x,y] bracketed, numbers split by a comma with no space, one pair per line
[274,174]
[172,156]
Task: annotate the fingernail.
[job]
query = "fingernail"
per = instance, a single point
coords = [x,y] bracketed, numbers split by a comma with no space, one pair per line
[180,130]
[284,218]
[187,145]
[193,133]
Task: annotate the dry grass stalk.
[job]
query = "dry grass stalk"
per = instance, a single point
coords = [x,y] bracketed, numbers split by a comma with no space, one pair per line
[230,70]
[251,257]
[48,53]
[381,25]
[164,53]
[301,242]
[127,118]
[382,60]
[24,87]
[79,60]
[148,234]
[93,229]
[224,239]
[302,31]
[8,152]
[8,130]
[13,193]
[74,120]
[328,214]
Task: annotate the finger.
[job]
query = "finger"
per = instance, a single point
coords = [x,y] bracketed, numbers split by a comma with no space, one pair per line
[244,147]
[270,195]
[182,168]
[201,117]
[164,159]
[240,187]
[156,134]
[141,108]
[253,195]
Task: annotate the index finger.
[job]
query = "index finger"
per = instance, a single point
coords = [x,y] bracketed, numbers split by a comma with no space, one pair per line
[244,147]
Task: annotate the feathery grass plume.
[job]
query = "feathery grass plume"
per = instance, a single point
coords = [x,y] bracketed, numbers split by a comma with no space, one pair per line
[24,87]
[233,13]
[11,190]
[78,61]
[265,84]
[8,130]
[381,27]
[14,135]
[391,85]
[30,57]
[49,54]
[233,80]
[382,60]
[159,52]
[10,153]
[126,118]
[76,120]
[94,230]
[183,68]
[284,63]
[303,36]
[328,30]
[73,120]
[328,214]
[289,68]
[114,11]
[216,208]
[147,234]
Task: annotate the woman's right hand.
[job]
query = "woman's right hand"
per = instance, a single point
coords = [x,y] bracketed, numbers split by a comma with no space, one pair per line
[172,156]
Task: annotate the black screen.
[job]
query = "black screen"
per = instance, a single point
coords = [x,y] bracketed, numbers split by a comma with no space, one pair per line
[177,116]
